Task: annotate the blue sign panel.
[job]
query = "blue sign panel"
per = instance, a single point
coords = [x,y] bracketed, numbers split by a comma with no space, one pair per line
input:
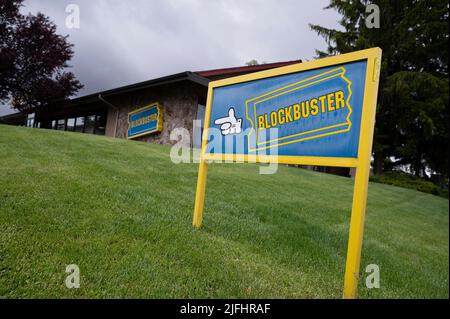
[315,113]
[145,120]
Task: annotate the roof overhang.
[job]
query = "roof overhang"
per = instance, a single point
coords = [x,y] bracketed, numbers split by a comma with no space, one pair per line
[174,78]
[244,69]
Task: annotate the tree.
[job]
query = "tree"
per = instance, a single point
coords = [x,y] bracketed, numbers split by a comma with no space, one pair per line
[32,60]
[252,62]
[412,111]
[422,137]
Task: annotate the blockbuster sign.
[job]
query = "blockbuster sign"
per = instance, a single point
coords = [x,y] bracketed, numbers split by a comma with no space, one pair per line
[145,120]
[323,113]
[317,112]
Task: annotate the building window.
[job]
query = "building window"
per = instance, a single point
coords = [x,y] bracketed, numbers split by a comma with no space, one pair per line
[100,124]
[71,124]
[60,124]
[89,124]
[30,120]
[93,124]
[198,124]
[79,124]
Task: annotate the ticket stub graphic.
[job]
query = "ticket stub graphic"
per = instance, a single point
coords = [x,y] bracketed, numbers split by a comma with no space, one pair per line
[315,107]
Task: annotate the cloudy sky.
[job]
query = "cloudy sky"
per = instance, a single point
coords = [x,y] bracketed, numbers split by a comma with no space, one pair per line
[124,42]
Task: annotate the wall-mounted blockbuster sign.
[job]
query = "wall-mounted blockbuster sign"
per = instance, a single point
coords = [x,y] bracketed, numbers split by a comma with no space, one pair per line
[145,120]
[324,113]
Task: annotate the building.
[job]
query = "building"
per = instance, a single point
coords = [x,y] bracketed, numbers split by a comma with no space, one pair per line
[18,119]
[181,99]
[178,99]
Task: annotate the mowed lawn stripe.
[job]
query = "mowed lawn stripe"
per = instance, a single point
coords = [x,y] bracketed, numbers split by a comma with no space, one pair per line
[122,211]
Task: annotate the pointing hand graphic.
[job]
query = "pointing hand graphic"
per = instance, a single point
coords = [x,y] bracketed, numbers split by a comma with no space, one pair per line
[229,124]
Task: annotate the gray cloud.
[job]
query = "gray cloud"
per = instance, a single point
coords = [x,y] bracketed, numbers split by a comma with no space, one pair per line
[123,42]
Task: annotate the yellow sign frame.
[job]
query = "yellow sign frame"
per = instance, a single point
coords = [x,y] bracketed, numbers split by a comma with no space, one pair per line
[361,163]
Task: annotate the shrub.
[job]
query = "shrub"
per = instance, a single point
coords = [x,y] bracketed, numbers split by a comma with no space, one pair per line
[409,181]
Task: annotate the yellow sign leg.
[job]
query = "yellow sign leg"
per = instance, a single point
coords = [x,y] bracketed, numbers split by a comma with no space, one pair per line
[203,167]
[200,194]
[356,232]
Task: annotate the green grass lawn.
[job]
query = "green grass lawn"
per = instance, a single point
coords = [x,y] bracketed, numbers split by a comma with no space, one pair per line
[122,211]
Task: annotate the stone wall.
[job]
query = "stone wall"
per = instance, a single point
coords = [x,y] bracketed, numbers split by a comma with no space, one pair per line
[178,103]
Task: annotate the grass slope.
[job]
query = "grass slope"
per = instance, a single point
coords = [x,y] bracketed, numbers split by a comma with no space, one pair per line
[122,212]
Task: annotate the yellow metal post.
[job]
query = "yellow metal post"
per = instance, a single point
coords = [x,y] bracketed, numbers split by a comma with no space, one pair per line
[203,166]
[200,194]
[356,231]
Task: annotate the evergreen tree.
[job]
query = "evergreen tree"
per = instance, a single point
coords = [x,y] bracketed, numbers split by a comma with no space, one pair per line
[412,111]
